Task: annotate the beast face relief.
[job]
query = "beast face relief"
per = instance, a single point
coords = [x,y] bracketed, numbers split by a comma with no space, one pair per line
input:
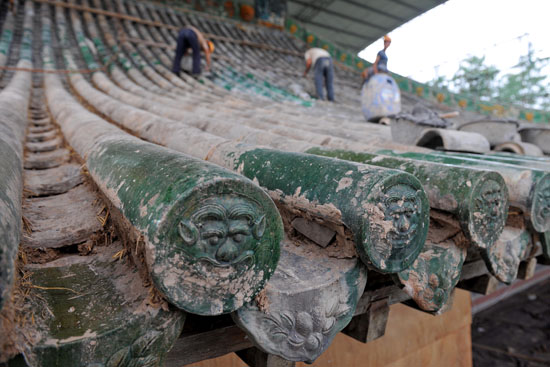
[541,200]
[220,249]
[400,227]
[223,233]
[402,210]
[488,212]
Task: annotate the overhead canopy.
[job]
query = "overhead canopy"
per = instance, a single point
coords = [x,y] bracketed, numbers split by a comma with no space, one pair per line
[355,24]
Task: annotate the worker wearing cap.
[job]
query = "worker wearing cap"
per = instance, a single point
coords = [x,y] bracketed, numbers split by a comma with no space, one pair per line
[191,37]
[323,71]
[380,64]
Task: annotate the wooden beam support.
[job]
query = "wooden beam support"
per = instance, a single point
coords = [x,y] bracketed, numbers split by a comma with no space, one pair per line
[195,347]
[254,357]
[484,284]
[527,268]
[473,269]
[545,244]
[372,324]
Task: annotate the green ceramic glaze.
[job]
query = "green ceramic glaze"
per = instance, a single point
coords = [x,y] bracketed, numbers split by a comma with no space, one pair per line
[212,236]
[92,311]
[478,198]
[528,188]
[432,278]
[386,210]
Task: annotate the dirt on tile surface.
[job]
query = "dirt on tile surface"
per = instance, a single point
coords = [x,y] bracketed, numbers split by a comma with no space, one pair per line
[515,332]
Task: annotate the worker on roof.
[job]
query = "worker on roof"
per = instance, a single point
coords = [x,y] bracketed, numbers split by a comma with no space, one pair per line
[323,71]
[380,64]
[191,37]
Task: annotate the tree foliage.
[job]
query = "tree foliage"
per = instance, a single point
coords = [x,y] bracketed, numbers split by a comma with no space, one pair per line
[526,84]
[474,77]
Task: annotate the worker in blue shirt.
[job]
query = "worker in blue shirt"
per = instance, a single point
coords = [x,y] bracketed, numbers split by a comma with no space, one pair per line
[381,63]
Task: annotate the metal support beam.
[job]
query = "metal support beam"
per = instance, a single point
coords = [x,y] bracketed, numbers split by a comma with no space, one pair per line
[370,325]
[339,30]
[407,5]
[349,47]
[324,9]
[372,9]
[310,10]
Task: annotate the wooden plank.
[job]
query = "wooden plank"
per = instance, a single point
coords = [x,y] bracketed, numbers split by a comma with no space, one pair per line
[527,268]
[211,344]
[370,325]
[211,348]
[393,293]
[484,284]
[423,340]
[412,331]
[228,360]
[254,357]
[453,349]
[473,269]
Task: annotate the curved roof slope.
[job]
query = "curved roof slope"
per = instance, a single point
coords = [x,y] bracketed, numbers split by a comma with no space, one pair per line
[354,24]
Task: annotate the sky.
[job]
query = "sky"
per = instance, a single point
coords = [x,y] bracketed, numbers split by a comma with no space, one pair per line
[434,43]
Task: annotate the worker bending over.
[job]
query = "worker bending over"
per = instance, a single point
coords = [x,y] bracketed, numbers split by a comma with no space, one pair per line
[191,37]
[322,69]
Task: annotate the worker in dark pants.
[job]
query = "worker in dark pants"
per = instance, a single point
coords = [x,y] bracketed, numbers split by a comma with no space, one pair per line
[323,71]
[191,38]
